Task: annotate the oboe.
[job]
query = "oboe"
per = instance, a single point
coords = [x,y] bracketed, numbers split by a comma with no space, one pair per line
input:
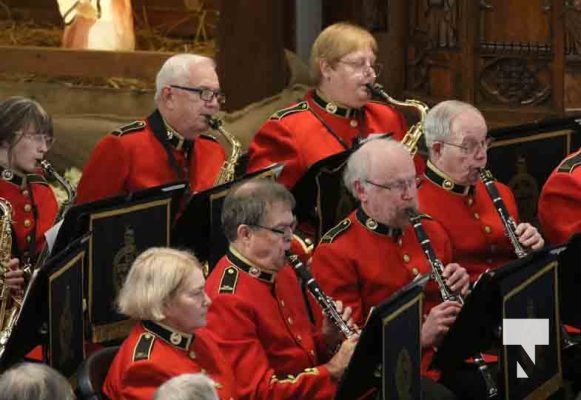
[437,270]
[325,302]
[507,220]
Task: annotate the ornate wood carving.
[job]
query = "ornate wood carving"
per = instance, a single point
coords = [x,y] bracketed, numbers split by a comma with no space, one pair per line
[514,81]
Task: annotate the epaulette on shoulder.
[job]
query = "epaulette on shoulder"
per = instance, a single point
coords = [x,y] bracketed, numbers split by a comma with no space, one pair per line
[143,347]
[302,106]
[129,128]
[229,280]
[35,178]
[209,137]
[336,231]
[570,163]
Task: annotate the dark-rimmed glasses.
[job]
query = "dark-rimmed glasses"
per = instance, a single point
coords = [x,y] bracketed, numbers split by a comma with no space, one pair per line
[205,93]
[280,230]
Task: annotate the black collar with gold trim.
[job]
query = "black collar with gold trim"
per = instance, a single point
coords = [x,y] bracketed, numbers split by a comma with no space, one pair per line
[333,108]
[165,132]
[245,265]
[375,226]
[437,177]
[19,179]
[177,339]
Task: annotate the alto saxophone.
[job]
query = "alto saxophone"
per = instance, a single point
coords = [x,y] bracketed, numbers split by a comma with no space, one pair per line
[415,132]
[437,270]
[10,304]
[228,170]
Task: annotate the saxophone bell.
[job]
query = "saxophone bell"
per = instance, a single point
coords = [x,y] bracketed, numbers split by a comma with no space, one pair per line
[415,132]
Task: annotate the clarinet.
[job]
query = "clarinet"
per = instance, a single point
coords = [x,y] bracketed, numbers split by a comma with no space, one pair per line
[437,270]
[509,228]
[507,220]
[324,301]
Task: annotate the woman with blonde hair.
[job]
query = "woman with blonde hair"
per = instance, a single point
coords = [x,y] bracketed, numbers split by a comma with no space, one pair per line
[164,293]
[333,115]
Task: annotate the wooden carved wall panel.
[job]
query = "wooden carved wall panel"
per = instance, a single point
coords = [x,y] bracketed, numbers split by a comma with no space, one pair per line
[515,81]
[515,21]
[515,56]
[434,39]
[573,28]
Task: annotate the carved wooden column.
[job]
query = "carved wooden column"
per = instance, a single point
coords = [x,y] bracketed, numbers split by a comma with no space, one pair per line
[250,50]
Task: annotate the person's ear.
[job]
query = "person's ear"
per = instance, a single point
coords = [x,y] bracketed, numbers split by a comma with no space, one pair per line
[326,68]
[243,232]
[435,150]
[360,190]
[167,96]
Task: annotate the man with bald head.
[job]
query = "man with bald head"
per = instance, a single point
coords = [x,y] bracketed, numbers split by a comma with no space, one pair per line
[374,252]
[170,144]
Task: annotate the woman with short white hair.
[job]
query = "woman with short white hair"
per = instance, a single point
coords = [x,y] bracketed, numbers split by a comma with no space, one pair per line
[164,292]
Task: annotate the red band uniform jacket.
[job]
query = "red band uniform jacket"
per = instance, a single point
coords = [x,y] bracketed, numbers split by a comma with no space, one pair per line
[314,129]
[363,262]
[34,209]
[153,354]
[263,328]
[470,220]
[560,201]
[146,154]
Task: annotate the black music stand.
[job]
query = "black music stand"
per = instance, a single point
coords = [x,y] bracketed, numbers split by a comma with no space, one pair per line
[570,281]
[387,358]
[199,227]
[523,289]
[322,199]
[119,232]
[52,305]
[120,227]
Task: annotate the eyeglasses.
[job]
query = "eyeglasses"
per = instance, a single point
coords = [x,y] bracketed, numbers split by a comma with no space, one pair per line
[399,186]
[40,139]
[287,230]
[472,147]
[362,66]
[205,93]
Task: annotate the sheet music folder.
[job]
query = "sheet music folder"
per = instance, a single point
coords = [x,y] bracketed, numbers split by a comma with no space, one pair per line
[476,328]
[29,330]
[370,371]
[199,227]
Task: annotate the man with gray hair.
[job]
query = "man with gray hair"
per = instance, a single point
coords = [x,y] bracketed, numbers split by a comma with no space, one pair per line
[187,387]
[258,311]
[374,252]
[34,381]
[456,136]
[169,145]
